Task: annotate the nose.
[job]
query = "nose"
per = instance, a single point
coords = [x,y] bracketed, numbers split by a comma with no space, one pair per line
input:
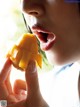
[32,8]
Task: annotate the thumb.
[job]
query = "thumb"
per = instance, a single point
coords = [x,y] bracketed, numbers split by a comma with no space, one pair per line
[32,78]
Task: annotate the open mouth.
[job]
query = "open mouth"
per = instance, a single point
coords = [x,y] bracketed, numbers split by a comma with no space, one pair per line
[42,36]
[47,39]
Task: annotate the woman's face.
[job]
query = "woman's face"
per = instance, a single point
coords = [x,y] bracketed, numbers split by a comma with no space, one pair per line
[57,26]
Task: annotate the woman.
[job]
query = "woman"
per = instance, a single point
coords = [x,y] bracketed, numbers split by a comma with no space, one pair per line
[56,23]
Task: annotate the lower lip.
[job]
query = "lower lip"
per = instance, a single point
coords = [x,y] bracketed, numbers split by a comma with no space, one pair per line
[47,46]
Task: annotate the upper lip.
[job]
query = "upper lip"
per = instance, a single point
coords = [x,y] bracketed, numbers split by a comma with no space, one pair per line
[39,30]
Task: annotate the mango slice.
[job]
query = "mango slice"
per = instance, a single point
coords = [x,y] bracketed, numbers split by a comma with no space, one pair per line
[24,50]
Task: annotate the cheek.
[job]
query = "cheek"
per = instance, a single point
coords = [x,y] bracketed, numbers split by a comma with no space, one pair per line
[31,20]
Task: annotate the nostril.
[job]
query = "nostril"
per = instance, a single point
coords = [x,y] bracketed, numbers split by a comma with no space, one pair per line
[33,9]
[34,13]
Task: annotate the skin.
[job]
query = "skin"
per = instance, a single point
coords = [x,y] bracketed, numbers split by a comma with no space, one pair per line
[63,19]
[5,86]
[17,97]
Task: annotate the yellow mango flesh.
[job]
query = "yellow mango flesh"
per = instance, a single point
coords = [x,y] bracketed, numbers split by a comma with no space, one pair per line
[25,50]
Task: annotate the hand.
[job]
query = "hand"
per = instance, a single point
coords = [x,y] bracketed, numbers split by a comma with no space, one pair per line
[17,97]
[6,92]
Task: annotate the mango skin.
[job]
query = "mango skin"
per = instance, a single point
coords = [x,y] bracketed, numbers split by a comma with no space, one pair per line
[24,50]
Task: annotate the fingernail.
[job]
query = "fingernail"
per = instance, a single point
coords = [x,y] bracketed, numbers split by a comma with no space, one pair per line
[31,67]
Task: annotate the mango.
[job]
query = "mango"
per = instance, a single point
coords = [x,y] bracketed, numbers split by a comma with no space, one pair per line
[24,50]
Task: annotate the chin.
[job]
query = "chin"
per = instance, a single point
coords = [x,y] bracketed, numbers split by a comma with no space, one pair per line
[52,59]
[56,59]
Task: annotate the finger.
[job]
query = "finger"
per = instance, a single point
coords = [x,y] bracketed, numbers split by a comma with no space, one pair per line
[19,86]
[8,84]
[3,92]
[5,70]
[18,104]
[32,78]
